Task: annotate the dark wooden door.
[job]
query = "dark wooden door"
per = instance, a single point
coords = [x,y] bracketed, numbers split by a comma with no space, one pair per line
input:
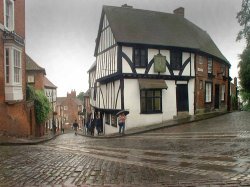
[217,96]
[182,97]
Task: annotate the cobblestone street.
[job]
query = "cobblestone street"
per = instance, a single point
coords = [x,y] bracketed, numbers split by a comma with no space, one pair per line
[212,152]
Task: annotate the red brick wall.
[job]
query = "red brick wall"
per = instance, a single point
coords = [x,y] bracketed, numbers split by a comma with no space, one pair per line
[14,118]
[202,75]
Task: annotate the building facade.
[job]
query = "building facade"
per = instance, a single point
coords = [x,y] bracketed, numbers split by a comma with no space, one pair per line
[15,116]
[36,77]
[68,110]
[159,66]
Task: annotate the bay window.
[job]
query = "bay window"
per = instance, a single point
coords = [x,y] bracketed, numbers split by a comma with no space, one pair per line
[13,72]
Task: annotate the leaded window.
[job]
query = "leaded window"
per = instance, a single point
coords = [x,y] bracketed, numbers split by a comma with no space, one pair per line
[151,101]
[176,59]
[140,57]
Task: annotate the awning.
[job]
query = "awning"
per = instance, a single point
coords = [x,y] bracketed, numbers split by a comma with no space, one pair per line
[152,84]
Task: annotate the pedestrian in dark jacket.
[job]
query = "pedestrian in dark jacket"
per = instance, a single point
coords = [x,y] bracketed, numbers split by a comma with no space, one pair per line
[98,124]
[92,127]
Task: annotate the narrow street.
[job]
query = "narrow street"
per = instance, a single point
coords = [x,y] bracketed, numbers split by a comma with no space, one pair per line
[210,152]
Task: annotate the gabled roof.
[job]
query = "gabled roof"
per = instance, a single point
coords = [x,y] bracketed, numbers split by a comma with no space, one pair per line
[92,67]
[48,84]
[136,26]
[31,65]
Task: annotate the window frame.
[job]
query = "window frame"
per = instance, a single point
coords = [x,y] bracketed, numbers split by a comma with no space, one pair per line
[143,99]
[207,99]
[210,66]
[9,23]
[176,59]
[14,63]
[223,92]
[141,63]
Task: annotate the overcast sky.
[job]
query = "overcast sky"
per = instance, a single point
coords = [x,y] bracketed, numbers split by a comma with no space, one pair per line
[60,34]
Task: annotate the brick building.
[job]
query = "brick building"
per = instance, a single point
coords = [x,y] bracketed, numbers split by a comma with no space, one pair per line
[36,77]
[16,116]
[68,110]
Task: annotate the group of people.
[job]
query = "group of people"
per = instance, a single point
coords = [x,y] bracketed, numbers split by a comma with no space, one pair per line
[95,122]
[92,124]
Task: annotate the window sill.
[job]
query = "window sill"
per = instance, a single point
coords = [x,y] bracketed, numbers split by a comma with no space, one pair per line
[151,112]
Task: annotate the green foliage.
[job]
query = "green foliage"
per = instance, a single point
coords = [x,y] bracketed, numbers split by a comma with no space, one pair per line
[80,96]
[42,107]
[245,96]
[243,17]
[234,102]
[30,93]
[244,72]
[41,102]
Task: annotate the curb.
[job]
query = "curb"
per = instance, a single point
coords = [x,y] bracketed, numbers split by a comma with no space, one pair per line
[28,143]
[175,123]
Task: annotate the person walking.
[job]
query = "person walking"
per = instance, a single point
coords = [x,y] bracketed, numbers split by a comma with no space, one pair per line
[121,122]
[98,124]
[75,127]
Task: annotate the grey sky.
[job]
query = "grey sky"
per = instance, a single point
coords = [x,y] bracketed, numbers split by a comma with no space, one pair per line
[60,34]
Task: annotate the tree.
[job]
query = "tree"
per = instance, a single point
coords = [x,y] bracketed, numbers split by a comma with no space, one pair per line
[243,17]
[80,96]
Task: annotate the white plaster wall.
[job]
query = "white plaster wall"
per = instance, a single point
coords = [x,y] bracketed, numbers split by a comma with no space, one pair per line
[192,64]
[125,66]
[132,103]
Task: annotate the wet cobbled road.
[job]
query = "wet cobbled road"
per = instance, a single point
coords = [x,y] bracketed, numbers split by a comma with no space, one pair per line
[213,152]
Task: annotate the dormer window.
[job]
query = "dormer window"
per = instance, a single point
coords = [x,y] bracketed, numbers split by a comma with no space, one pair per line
[9,14]
[140,57]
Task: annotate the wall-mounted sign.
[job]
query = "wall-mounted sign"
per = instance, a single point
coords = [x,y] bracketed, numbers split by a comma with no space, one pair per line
[200,69]
[159,63]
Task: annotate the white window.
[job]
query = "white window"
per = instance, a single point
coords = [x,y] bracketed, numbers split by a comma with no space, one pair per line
[31,79]
[208,92]
[222,92]
[17,66]
[7,65]
[13,65]
[9,14]
[65,107]
[13,73]
[209,65]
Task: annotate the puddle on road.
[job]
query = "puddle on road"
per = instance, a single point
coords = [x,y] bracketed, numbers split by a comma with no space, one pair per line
[221,158]
[216,168]
[153,161]
[185,164]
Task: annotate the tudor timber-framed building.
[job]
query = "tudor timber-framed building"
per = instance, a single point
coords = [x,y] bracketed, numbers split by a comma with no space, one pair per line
[156,65]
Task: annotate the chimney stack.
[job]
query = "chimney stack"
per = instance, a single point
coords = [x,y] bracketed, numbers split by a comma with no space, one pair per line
[179,11]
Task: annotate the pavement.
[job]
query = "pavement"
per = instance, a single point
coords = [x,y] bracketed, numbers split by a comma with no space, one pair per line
[8,140]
